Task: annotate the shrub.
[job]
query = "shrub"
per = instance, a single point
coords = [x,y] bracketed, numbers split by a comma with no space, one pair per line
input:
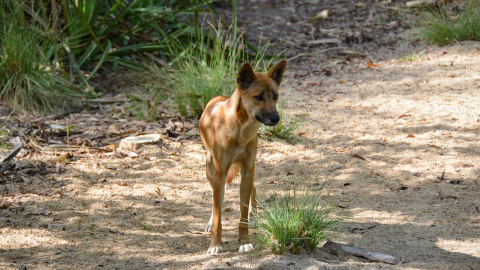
[294,221]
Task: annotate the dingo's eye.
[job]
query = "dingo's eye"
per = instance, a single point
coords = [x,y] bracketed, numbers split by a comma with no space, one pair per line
[259,98]
[275,96]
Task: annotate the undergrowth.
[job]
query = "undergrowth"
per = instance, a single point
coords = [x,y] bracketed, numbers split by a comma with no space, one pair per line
[206,69]
[446,26]
[285,129]
[294,221]
[202,71]
[51,49]
[28,78]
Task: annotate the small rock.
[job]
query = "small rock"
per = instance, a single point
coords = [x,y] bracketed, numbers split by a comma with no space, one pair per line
[132,154]
[134,142]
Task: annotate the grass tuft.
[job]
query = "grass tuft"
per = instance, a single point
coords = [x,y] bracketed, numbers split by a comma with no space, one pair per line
[443,27]
[284,130]
[294,221]
[28,79]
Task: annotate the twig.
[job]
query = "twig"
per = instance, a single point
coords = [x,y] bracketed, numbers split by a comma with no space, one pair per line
[441,178]
[371,255]
[6,158]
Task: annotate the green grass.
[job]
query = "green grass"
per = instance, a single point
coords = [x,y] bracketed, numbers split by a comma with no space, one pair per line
[28,78]
[444,27]
[205,69]
[411,56]
[293,222]
[285,129]
[201,72]
[61,45]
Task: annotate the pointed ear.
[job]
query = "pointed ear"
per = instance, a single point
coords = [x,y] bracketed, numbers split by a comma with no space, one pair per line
[246,77]
[276,73]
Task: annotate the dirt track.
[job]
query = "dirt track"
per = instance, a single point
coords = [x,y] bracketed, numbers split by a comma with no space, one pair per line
[397,143]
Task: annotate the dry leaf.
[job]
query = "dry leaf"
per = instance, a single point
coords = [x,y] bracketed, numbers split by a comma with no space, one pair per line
[322,15]
[434,54]
[410,136]
[404,115]
[63,158]
[370,64]
[357,156]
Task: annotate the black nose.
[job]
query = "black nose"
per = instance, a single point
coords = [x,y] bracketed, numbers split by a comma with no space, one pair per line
[275,119]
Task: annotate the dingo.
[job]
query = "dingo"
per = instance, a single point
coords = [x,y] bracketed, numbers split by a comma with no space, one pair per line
[228,128]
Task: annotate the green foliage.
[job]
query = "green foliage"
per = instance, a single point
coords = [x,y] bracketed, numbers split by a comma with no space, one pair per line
[29,79]
[411,56]
[200,72]
[205,69]
[294,221]
[444,28]
[58,44]
[115,30]
[284,130]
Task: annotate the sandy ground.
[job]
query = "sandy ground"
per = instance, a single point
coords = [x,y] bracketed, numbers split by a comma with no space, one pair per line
[397,144]
[410,122]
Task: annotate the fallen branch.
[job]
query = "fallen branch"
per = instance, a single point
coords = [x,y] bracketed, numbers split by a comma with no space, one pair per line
[7,157]
[420,3]
[12,154]
[371,255]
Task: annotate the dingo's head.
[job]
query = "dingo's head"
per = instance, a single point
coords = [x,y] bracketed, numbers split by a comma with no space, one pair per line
[259,92]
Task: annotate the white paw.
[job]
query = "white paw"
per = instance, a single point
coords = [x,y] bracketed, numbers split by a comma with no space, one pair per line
[208,227]
[214,250]
[245,248]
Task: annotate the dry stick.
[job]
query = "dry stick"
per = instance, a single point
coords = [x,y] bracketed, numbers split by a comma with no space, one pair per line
[12,154]
[371,255]
[6,158]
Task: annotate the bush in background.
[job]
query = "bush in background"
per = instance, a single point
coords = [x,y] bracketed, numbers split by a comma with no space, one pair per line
[65,43]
